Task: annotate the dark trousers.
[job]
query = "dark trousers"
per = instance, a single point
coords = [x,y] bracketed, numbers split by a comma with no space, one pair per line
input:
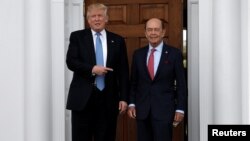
[94,123]
[154,130]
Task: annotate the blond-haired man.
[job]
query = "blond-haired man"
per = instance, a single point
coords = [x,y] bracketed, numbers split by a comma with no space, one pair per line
[98,91]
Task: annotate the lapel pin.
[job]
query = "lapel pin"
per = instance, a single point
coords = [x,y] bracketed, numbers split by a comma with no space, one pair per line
[166,52]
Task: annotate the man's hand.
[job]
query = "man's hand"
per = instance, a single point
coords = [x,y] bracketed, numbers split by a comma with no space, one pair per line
[132,112]
[178,118]
[100,70]
[122,106]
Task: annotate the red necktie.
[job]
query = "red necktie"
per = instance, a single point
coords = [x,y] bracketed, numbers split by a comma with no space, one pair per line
[151,63]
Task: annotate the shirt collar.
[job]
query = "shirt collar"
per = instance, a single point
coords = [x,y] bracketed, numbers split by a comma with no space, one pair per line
[157,48]
[103,32]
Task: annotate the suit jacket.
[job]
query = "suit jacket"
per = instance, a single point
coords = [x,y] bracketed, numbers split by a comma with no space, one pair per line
[159,97]
[81,59]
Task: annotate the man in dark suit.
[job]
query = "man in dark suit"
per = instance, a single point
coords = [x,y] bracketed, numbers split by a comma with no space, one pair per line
[96,104]
[158,86]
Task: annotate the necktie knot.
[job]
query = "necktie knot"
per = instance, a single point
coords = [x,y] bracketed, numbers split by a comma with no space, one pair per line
[153,50]
[98,34]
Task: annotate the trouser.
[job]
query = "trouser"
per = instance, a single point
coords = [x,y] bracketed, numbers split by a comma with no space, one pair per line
[94,122]
[154,130]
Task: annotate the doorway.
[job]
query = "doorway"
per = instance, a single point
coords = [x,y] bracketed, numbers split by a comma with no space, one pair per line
[127,18]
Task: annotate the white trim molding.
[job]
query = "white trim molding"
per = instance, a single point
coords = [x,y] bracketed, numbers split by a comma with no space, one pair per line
[74,20]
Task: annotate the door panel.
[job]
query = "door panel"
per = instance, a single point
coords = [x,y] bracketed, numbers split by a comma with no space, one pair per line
[127,18]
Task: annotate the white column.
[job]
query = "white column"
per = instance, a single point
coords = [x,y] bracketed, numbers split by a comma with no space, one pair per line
[11,70]
[38,126]
[58,70]
[245,48]
[227,62]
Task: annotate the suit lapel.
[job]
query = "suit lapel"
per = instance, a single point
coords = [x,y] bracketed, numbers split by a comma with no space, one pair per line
[110,46]
[144,62]
[89,45]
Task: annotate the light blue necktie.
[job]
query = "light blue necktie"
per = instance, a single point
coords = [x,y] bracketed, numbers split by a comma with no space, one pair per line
[99,61]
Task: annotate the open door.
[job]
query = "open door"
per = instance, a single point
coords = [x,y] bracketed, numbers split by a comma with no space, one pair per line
[127,18]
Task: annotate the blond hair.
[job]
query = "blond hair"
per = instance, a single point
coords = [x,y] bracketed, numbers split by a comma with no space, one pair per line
[97,6]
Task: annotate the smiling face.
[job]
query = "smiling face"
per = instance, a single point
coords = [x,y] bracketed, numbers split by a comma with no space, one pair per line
[97,17]
[154,31]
